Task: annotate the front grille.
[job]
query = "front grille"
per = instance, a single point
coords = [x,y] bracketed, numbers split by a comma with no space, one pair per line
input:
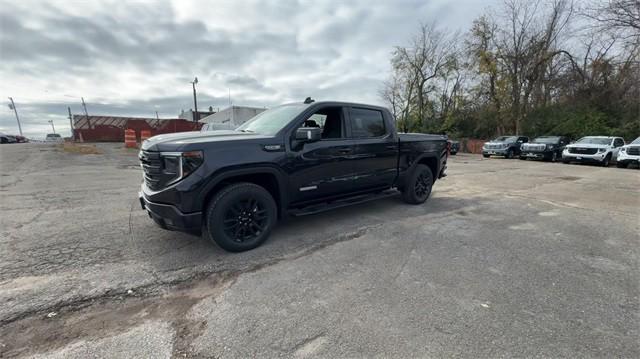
[493,147]
[583,151]
[634,151]
[152,168]
[533,147]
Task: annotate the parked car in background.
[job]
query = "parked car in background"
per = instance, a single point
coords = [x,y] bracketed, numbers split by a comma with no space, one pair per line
[507,146]
[4,138]
[593,149]
[629,154]
[21,139]
[455,147]
[54,137]
[548,148]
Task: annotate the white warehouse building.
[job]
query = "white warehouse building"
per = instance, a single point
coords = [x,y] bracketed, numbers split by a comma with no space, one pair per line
[230,117]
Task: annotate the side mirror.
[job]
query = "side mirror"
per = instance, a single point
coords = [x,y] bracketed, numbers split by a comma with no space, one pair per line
[308,134]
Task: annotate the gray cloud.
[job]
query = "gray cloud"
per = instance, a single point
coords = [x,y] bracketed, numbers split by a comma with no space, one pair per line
[137,58]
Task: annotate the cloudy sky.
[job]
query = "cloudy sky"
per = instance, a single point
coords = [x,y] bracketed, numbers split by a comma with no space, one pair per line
[137,58]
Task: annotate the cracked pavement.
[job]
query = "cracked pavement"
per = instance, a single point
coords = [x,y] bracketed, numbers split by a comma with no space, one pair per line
[508,258]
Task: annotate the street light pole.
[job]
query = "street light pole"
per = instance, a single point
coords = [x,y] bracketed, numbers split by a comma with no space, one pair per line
[13,107]
[196,118]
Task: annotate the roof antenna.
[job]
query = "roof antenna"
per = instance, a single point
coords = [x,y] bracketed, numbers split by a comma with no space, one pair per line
[309,100]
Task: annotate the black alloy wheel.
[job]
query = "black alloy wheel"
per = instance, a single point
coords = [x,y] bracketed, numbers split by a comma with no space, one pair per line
[419,184]
[240,217]
[245,220]
[509,154]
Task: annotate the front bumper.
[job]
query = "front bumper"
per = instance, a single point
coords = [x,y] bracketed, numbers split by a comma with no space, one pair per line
[496,152]
[169,217]
[574,157]
[626,158]
[536,154]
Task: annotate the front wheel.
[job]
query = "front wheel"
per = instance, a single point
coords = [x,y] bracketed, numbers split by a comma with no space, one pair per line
[509,154]
[418,186]
[621,165]
[606,161]
[554,157]
[240,217]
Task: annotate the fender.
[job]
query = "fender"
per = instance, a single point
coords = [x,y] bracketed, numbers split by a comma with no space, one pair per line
[414,162]
[223,174]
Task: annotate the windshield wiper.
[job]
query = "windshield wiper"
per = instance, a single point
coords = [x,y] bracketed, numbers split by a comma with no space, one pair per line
[247,131]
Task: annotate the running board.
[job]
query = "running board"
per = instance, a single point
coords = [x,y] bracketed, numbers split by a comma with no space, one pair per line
[349,201]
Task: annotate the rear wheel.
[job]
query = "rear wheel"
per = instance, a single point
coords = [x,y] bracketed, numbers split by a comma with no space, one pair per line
[240,217]
[418,187]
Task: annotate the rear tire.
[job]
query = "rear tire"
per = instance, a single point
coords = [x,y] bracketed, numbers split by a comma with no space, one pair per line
[240,217]
[419,184]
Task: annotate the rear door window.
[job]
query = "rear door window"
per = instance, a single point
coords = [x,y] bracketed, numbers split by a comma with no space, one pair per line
[366,123]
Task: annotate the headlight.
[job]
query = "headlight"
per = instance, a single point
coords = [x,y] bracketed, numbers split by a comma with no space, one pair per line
[623,149]
[600,150]
[505,145]
[551,147]
[180,164]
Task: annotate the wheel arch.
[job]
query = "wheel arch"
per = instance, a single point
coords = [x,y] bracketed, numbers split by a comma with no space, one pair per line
[268,177]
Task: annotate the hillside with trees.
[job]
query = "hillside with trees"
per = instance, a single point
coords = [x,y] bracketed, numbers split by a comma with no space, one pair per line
[527,67]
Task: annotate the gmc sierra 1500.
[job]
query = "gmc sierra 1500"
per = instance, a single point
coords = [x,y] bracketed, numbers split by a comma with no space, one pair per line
[294,159]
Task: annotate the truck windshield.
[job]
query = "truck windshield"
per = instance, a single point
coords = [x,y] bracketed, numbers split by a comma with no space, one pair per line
[594,140]
[548,140]
[505,139]
[636,141]
[271,121]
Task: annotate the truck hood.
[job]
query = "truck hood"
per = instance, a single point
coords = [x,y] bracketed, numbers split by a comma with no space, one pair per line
[181,140]
[586,145]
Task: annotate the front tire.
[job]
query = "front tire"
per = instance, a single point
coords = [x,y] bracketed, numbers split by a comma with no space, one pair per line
[606,161]
[621,164]
[419,184]
[554,157]
[240,217]
[509,154]
[486,156]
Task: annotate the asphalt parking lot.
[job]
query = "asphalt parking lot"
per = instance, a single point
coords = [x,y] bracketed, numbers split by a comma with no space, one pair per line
[508,258]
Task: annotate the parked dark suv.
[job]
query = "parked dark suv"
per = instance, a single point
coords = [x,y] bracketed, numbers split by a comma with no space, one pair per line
[548,148]
[507,146]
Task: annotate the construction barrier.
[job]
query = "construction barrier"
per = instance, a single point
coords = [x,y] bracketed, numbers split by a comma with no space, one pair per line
[130,139]
[144,134]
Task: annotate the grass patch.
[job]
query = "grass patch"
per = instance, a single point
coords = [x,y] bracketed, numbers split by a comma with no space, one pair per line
[82,149]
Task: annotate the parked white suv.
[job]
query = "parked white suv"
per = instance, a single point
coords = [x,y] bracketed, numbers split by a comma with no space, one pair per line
[594,149]
[629,154]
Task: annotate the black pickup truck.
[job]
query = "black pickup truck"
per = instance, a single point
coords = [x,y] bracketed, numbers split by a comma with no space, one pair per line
[294,159]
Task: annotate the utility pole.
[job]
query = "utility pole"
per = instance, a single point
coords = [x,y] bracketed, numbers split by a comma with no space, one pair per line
[84,105]
[12,106]
[195,101]
[73,135]
[52,127]
[157,116]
